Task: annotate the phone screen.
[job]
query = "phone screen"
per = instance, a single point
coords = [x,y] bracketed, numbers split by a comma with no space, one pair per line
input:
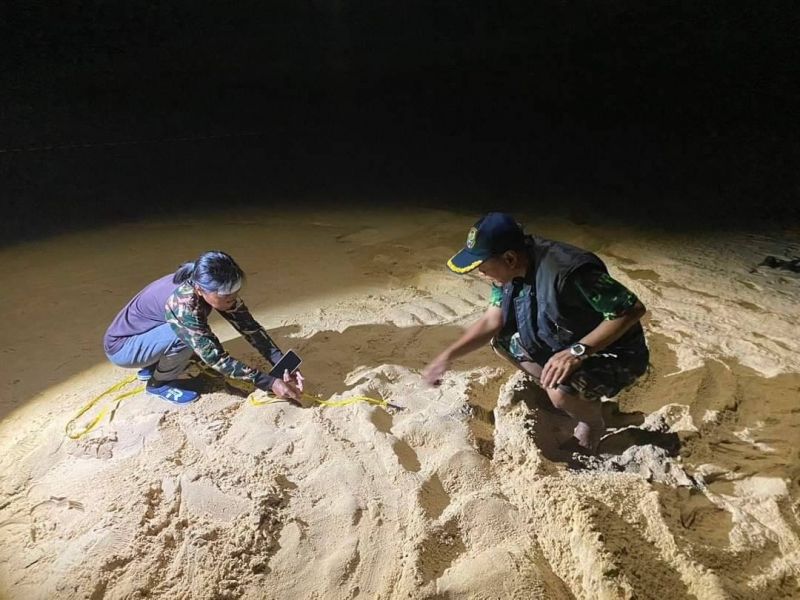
[288,362]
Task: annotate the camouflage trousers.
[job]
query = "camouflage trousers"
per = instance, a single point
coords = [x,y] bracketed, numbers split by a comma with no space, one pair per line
[604,374]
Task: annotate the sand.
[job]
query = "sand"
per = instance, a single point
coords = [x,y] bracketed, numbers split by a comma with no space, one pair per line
[455,492]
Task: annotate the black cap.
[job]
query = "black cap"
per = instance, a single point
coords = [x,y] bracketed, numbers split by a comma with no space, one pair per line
[493,234]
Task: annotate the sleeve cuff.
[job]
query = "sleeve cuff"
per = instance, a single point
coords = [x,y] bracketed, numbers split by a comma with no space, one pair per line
[264,381]
[275,355]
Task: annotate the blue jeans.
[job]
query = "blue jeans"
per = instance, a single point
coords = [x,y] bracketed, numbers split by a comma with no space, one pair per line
[159,346]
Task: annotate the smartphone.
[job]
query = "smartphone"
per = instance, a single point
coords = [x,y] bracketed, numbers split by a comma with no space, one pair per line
[288,362]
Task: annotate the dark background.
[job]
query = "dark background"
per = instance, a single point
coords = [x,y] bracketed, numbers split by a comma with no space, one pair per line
[679,113]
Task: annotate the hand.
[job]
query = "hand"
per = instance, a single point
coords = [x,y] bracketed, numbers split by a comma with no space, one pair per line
[432,374]
[288,388]
[558,369]
[299,380]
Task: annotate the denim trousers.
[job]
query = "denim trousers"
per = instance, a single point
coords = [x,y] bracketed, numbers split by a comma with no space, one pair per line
[160,347]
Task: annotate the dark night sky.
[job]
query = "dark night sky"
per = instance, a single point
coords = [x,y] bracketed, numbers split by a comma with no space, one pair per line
[668,112]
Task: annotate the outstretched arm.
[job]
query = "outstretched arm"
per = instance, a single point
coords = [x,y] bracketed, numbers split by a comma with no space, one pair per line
[477,335]
[191,326]
[239,316]
[241,319]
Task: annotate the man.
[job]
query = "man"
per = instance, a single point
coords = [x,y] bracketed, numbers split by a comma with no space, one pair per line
[556,314]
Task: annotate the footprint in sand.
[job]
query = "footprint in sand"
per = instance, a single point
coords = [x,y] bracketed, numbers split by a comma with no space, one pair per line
[98,447]
[440,548]
[406,456]
[381,419]
[633,555]
[47,516]
[433,498]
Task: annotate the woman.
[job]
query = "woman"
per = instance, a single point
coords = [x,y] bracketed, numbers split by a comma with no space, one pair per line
[160,328]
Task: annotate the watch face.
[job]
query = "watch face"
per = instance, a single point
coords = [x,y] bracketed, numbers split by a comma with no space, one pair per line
[577,349]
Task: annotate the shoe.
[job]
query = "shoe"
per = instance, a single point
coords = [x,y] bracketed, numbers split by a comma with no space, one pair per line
[167,391]
[145,373]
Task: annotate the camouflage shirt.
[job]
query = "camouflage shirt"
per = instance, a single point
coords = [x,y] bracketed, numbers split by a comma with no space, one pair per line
[591,286]
[187,313]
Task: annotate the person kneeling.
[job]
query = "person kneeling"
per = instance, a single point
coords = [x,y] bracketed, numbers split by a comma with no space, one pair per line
[161,327]
[557,315]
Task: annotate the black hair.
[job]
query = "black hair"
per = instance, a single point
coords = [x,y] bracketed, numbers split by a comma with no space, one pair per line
[213,271]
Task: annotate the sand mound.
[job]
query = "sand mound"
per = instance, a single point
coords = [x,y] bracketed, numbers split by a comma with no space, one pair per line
[457,492]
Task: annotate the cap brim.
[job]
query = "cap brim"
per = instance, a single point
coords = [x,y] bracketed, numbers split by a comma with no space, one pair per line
[465,261]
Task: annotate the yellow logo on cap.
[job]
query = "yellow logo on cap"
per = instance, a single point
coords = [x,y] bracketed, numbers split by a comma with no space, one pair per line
[471,238]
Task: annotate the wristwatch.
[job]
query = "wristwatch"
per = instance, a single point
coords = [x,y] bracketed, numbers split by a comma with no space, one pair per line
[579,350]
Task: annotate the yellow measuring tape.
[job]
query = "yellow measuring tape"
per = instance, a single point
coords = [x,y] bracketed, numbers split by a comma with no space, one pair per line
[74,434]
[70,427]
[343,402]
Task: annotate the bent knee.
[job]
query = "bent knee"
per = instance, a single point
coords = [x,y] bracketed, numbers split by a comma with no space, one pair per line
[563,396]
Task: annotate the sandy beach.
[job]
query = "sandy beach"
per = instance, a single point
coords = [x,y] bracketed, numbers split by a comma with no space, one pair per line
[452,492]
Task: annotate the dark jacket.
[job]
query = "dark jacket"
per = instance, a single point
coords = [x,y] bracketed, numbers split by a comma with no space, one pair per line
[544,321]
